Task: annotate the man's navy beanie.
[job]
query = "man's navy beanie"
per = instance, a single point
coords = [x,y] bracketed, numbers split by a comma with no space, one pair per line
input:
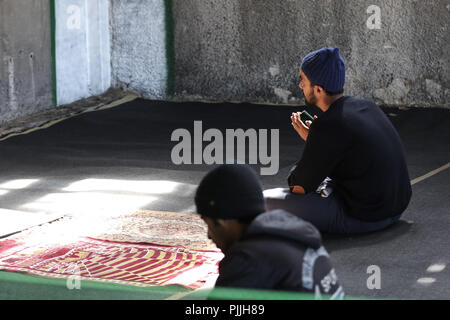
[230,192]
[326,68]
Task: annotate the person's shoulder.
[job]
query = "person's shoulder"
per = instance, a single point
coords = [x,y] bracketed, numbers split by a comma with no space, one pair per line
[263,247]
[351,102]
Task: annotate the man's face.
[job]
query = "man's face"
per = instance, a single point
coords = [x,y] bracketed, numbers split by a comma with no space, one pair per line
[220,232]
[308,90]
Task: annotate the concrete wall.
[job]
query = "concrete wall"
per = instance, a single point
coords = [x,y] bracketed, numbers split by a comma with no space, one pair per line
[250,50]
[25,57]
[139,55]
[82,51]
[83,64]
[236,50]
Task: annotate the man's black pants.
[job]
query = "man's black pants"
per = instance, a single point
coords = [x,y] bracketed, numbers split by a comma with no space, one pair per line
[325,213]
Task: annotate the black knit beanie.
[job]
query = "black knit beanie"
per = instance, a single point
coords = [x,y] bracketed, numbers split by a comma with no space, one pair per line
[230,192]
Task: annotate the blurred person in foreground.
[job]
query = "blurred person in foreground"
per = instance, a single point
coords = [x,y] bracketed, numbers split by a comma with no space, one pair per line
[262,250]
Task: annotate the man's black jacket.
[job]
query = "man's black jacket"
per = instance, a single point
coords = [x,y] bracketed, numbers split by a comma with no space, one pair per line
[283,252]
[355,144]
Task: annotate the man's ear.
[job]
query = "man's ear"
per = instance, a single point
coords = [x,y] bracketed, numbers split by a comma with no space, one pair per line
[318,89]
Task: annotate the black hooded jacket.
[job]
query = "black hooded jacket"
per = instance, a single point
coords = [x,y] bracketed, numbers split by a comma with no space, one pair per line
[282,252]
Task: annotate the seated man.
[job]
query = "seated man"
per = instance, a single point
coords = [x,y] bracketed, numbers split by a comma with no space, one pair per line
[352,176]
[263,250]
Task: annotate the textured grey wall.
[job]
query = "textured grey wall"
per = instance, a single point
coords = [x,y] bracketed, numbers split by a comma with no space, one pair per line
[25,57]
[82,49]
[240,50]
[250,50]
[139,46]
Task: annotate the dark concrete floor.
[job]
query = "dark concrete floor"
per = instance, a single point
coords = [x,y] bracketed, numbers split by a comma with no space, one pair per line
[117,160]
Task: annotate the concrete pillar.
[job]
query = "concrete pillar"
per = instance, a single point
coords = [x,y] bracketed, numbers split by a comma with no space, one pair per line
[139,49]
[25,58]
[82,41]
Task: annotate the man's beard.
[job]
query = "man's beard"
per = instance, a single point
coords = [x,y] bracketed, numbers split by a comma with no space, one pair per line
[310,102]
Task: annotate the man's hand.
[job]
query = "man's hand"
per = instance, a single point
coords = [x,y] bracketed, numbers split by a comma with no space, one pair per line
[301,128]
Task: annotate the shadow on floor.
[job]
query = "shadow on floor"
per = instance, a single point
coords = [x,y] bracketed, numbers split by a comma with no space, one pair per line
[335,242]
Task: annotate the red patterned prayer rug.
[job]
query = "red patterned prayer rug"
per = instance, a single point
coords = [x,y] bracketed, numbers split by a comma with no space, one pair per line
[107,261]
[145,248]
